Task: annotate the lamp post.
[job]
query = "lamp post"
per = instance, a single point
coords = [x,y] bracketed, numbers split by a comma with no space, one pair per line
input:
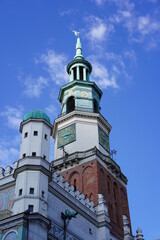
[67,215]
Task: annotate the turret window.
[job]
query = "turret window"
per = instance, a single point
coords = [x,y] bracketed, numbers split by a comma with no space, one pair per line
[20,192]
[26,134]
[33,154]
[81,72]
[45,136]
[31,191]
[24,155]
[35,133]
[30,208]
[44,156]
[42,194]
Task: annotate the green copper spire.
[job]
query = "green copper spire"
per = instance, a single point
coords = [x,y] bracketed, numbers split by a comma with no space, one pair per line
[78,47]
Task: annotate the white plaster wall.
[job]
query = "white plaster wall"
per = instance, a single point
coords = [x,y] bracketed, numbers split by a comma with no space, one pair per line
[33,143]
[103,234]
[25,181]
[37,232]
[78,226]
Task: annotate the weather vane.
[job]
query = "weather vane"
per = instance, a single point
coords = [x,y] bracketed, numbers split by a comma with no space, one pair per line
[76,33]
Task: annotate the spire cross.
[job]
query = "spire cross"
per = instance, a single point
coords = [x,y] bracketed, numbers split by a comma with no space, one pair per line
[113,152]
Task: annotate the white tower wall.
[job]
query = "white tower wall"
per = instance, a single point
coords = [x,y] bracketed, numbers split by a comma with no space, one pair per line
[31,142]
[33,171]
[31,180]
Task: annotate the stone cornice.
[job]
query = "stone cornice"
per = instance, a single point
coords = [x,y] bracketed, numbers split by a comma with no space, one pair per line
[22,218]
[76,157]
[79,83]
[8,185]
[32,168]
[35,120]
[81,114]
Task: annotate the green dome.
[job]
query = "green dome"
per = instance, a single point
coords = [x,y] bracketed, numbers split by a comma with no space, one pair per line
[36,114]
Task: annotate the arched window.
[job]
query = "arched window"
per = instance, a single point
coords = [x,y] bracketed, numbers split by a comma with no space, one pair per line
[123,201]
[75,184]
[70,104]
[95,106]
[81,72]
[87,75]
[108,184]
[91,196]
[115,191]
[117,214]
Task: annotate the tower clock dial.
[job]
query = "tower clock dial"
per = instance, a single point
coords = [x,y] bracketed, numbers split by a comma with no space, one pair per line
[66,135]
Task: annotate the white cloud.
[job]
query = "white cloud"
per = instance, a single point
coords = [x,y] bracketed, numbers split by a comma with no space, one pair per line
[131,55]
[102,77]
[13,116]
[97,31]
[141,28]
[9,150]
[99,2]
[34,86]
[55,65]
[68,12]
[52,110]
[146,25]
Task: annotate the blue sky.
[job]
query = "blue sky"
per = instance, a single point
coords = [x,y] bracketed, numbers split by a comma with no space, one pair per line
[121,39]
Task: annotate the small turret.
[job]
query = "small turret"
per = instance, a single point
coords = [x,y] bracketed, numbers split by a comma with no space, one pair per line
[33,171]
[139,235]
[36,131]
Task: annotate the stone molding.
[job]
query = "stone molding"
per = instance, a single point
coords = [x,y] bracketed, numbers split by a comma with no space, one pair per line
[76,157]
[32,168]
[75,113]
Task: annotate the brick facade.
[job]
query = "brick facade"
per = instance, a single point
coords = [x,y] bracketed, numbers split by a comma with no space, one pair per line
[92,178]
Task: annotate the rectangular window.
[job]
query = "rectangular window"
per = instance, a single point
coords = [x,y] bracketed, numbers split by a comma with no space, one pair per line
[31,191]
[44,156]
[43,194]
[30,208]
[24,155]
[20,192]
[35,133]
[33,154]
[26,134]
[45,136]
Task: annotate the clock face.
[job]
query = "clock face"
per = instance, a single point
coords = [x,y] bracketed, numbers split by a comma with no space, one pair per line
[103,139]
[66,135]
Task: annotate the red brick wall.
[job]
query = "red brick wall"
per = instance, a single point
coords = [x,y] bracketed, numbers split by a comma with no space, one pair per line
[92,178]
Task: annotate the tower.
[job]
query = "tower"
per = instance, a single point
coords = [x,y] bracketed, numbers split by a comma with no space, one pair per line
[33,171]
[82,150]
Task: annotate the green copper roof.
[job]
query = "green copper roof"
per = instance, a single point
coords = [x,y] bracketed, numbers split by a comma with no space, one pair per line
[36,114]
